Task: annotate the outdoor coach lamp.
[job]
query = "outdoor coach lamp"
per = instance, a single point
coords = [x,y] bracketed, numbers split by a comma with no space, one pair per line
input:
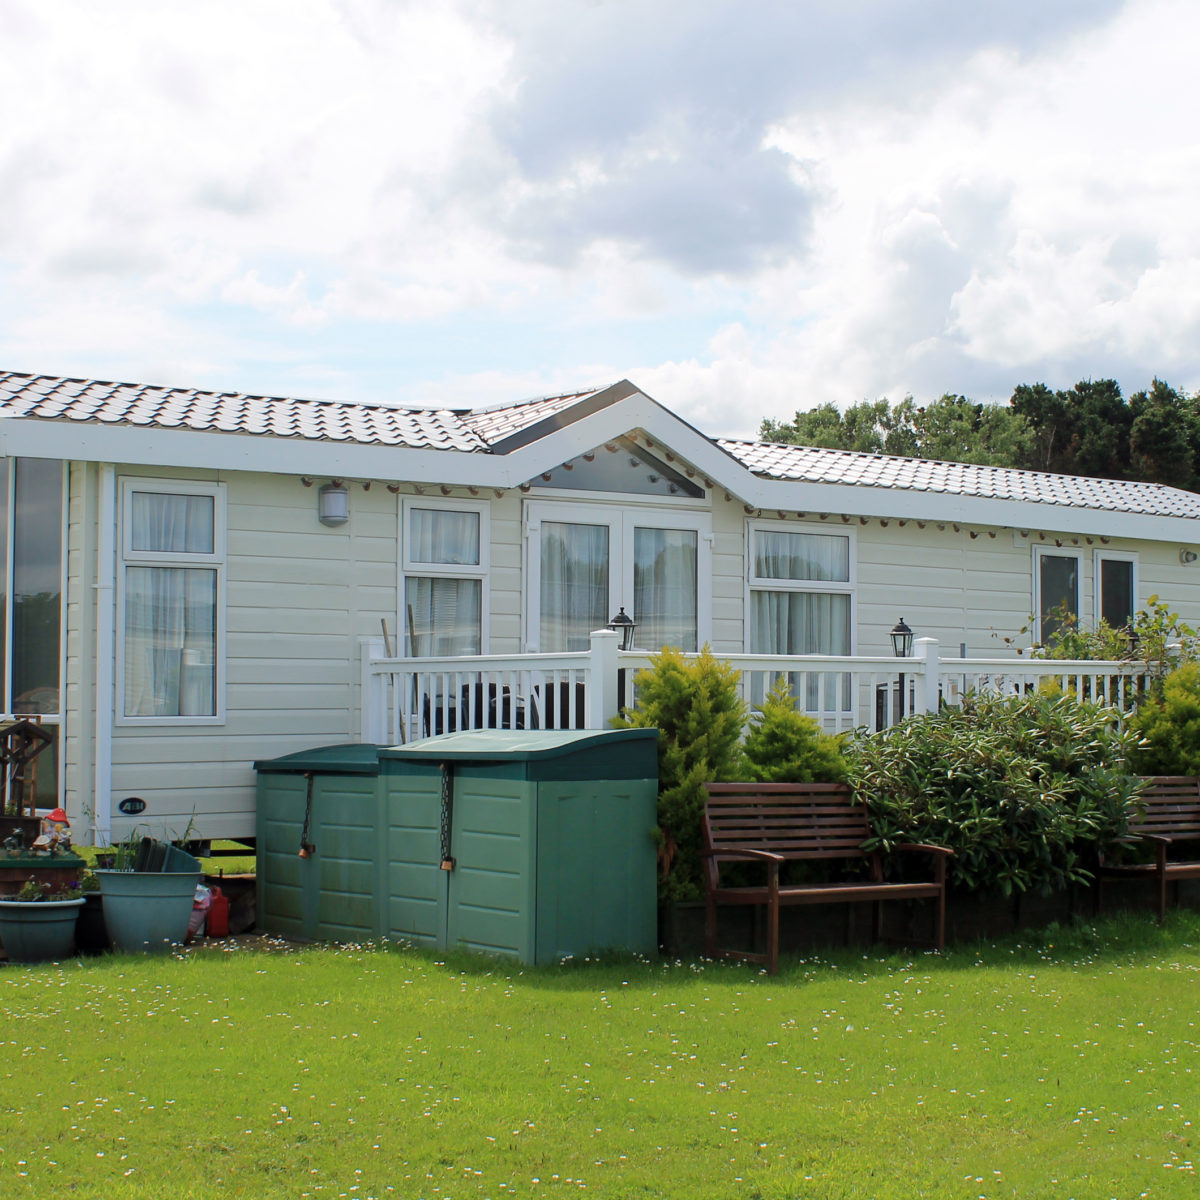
[902,640]
[333,503]
[623,624]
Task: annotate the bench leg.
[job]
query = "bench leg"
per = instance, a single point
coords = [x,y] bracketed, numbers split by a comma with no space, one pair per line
[773,938]
[710,926]
[939,933]
[1162,896]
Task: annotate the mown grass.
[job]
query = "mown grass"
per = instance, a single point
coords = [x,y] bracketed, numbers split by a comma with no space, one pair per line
[230,864]
[1058,1066]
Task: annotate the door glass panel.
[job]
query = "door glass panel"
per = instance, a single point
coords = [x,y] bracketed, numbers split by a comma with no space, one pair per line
[664,588]
[1059,592]
[1116,591]
[574,591]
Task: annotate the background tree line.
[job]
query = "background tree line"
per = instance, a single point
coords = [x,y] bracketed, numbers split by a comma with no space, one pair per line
[1154,436]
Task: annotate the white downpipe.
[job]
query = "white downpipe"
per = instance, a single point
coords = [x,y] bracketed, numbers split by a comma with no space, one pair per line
[106,609]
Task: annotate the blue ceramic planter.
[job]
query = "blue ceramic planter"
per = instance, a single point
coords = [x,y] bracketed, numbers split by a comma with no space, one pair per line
[40,930]
[147,912]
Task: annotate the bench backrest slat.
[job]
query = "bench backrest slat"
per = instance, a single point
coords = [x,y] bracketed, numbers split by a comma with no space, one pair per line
[1171,807]
[796,821]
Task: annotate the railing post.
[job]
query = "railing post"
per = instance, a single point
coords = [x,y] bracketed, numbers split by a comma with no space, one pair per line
[373,715]
[925,697]
[602,679]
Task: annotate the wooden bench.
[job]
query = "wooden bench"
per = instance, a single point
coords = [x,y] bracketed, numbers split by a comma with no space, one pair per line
[1170,817]
[778,823]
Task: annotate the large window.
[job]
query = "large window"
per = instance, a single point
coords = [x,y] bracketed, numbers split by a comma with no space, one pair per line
[802,600]
[173,561]
[445,569]
[31,537]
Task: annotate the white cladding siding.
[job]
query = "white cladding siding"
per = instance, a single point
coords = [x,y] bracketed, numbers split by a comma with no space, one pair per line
[299,598]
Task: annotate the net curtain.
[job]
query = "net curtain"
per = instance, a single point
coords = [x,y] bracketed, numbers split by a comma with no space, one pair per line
[170,611]
[445,616]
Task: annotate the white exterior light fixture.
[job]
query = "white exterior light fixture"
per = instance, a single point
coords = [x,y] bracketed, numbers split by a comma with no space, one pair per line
[333,503]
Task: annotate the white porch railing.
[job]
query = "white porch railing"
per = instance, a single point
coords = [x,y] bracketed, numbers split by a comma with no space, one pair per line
[406,699]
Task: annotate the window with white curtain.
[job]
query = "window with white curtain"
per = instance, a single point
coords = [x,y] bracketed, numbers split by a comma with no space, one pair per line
[802,601]
[173,550]
[445,568]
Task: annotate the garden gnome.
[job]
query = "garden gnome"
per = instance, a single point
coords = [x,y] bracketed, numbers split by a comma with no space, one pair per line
[55,837]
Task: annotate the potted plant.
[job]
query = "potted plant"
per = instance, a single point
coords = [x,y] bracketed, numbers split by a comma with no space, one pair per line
[148,895]
[38,923]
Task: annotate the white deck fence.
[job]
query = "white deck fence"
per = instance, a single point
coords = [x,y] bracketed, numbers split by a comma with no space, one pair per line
[407,699]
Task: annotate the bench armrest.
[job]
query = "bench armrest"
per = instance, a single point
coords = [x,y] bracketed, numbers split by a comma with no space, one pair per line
[759,855]
[908,847]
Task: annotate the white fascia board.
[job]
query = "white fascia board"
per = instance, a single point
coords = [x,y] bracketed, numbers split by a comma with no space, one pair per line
[157,447]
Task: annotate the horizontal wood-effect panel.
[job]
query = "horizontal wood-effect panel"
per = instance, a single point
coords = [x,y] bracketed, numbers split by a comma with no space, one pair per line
[249,645]
[297,672]
[285,696]
[237,751]
[299,572]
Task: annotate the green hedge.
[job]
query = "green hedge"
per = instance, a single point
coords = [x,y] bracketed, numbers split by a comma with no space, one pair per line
[1025,790]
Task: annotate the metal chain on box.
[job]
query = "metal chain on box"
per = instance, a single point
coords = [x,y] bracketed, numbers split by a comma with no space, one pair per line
[447,814]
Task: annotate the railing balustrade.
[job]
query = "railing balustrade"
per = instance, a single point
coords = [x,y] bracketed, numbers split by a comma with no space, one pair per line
[407,699]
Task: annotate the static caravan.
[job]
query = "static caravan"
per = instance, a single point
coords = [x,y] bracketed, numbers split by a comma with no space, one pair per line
[196,581]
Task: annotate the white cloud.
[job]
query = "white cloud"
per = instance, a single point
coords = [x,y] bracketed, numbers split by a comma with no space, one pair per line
[471,201]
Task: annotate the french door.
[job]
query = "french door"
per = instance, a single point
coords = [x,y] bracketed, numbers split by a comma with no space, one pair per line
[586,561]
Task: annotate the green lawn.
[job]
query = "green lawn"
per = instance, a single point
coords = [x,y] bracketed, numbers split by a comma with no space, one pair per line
[231,864]
[1059,1066]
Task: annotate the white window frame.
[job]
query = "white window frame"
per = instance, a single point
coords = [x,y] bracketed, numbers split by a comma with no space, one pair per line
[1100,556]
[1040,552]
[622,517]
[427,570]
[757,583]
[216,561]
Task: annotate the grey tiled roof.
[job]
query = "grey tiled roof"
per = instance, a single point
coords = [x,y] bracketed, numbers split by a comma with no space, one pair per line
[84,400]
[53,398]
[815,465]
[232,412]
[495,424]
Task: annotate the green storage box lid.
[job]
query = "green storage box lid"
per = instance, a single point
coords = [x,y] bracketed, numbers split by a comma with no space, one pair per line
[351,758]
[519,745]
[532,755]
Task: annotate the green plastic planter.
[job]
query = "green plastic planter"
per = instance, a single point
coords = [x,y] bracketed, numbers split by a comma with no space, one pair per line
[38,931]
[147,912]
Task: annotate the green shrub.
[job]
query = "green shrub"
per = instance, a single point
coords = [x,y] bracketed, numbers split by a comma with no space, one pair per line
[699,714]
[787,746]
[1024,790]
[1169,726]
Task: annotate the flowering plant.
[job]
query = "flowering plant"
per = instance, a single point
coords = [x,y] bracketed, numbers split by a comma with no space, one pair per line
[36,890]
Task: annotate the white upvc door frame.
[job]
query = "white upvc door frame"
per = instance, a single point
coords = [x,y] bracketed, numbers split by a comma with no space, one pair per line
[621,519]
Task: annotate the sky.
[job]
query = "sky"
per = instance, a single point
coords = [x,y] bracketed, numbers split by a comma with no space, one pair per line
[748,208]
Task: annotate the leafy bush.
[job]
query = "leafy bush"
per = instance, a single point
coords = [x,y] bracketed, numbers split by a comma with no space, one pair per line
[699,714]
[1025,790]
[1169,726]
[787,746]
